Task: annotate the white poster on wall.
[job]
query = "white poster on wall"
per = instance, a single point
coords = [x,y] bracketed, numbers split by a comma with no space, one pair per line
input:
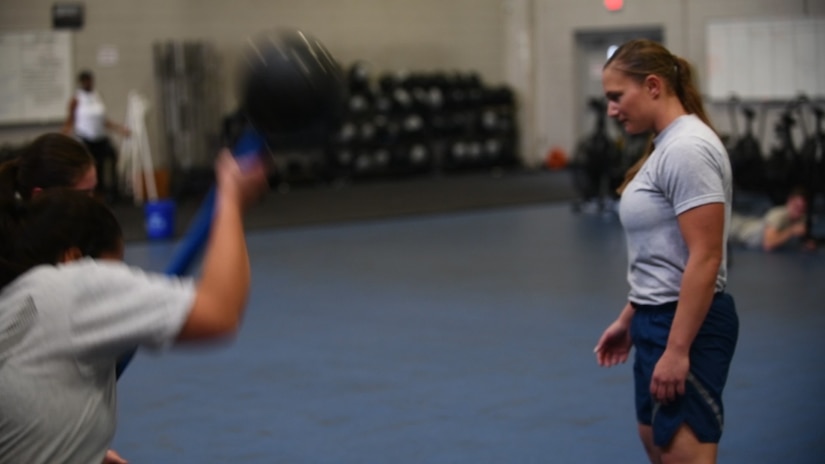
[108,56]
[766,59]
[36,76]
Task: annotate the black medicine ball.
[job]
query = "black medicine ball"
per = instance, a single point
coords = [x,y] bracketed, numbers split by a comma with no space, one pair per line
[290,83]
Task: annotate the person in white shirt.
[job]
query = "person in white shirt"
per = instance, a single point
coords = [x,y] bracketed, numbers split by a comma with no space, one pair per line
[88,122]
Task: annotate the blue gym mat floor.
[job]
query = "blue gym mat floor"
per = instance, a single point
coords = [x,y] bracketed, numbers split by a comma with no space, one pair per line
[459,338]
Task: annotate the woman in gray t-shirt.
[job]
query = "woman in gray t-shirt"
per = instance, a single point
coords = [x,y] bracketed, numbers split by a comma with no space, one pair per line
[675,210]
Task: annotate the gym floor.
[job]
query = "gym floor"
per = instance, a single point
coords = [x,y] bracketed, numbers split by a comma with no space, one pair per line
[459,338]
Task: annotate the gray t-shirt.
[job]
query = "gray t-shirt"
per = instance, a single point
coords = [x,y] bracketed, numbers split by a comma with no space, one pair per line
[61,331]
[688,168]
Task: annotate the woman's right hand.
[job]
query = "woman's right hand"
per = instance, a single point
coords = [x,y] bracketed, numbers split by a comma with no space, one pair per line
[240,180]
[614,345]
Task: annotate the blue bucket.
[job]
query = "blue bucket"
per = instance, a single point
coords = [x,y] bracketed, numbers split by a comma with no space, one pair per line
[159,219]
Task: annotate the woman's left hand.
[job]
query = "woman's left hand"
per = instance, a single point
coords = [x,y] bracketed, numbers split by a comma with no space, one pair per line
[113,458]
[669,375]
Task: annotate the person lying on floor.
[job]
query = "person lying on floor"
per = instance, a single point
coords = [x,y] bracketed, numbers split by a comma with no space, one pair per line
[780,227]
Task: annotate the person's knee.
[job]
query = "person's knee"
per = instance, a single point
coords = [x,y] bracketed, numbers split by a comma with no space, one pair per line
[646,435]
[685,448]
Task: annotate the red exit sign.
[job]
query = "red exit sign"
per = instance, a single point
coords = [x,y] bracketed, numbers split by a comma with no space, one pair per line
[613,5]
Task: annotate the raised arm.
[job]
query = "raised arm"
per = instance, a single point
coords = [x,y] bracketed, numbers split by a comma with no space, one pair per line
[222,291]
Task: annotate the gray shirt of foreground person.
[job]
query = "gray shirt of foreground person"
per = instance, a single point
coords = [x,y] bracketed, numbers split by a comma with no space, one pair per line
[688,168]
[62,329]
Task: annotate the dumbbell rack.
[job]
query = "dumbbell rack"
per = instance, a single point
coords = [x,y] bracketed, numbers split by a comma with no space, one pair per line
[423,123]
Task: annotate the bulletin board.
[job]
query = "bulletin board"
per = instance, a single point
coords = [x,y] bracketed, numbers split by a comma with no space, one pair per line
[766,59]
[35,76]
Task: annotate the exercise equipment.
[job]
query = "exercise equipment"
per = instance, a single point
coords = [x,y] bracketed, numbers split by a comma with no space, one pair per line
[420,122]
[290,85]
[812,161]
[813,154]
[135,165]
[359,78]
[746,159]
[597,158]
[292,93]
[187,84]
[632,147]
[782,167]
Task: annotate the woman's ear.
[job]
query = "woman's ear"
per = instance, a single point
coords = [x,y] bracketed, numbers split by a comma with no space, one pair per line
[653,84]
[72,254]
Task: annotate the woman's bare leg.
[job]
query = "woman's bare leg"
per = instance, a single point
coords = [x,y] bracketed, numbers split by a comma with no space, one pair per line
[685,448]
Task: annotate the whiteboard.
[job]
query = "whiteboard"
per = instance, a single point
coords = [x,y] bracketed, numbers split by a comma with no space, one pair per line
[766,59]
[35,76]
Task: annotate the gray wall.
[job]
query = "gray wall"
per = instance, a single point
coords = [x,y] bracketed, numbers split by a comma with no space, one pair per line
[683,22]
[396,35]
[389,34]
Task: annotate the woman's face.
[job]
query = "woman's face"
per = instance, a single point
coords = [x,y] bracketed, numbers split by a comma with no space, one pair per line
[87,182]
[626,101]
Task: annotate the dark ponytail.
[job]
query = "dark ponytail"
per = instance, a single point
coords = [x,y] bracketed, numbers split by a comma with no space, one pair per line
[51,160]
[10,206]
[8,180]
[685,88]
[53,223]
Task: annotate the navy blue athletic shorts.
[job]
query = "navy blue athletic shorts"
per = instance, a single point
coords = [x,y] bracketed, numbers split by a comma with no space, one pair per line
[710,356]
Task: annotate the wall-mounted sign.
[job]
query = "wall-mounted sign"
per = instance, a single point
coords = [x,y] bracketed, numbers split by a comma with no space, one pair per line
[108,55]
[67,16]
